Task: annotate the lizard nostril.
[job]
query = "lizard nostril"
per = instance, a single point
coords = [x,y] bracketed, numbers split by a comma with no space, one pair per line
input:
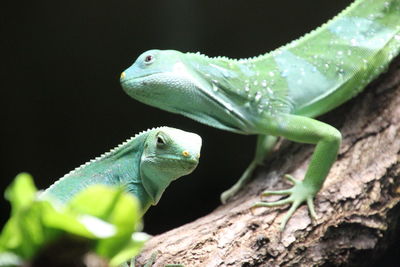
[123,75]
[186,153]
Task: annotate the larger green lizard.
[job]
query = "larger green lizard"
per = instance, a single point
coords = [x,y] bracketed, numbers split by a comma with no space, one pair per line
[144,165]
[279,93]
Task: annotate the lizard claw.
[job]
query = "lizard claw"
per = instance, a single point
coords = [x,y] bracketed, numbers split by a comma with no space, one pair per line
[291,179]
[298,194]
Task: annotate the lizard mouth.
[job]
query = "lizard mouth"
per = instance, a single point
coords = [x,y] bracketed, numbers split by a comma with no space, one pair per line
[185,165]
[186,160]
[124,80]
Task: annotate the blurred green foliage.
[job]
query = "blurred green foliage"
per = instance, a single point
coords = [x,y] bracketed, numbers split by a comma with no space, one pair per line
[105,219]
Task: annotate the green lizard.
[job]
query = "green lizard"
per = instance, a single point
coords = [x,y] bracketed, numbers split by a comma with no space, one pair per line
[279,93]
[145,165]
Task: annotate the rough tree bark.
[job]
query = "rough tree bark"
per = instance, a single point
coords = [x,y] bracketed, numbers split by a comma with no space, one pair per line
[357,207]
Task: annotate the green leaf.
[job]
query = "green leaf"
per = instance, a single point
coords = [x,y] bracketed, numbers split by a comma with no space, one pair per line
[58,218]
[108,203]
[23,233]
[21,192]
[133,247]
[121,217]
[106,216]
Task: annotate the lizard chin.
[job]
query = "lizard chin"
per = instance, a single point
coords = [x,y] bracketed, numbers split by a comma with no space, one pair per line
[171,90]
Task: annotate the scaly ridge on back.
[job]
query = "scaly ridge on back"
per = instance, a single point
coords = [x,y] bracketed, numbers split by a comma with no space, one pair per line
[102,156]
[293,43]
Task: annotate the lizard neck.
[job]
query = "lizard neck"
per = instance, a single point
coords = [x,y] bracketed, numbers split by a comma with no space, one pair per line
[139,191]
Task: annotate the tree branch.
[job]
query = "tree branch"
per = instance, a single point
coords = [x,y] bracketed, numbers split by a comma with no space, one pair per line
[357,207]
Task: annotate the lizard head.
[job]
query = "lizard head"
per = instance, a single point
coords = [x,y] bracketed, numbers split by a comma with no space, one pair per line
[168,154]
[159,78]
[181,83]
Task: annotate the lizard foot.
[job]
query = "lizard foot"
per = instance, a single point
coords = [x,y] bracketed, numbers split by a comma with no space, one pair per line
[298,194]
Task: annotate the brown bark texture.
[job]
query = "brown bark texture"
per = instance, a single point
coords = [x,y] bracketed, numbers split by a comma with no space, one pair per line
[357,206]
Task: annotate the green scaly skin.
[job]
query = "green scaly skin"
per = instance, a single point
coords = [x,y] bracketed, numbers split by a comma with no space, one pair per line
[144,165]
[279,93]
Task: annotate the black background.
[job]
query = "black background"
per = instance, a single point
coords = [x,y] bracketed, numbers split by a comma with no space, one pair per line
[61,103]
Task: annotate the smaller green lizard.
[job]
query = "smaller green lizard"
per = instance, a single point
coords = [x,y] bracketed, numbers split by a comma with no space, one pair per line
[145,165]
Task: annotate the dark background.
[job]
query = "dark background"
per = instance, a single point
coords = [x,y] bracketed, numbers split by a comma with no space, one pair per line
[61,102]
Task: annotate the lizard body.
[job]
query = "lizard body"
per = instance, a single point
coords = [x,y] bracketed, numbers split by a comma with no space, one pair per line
[279,93]
[144,165]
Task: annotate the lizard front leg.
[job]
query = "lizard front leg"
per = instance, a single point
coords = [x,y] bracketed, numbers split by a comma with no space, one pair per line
[304,130]
[265,144]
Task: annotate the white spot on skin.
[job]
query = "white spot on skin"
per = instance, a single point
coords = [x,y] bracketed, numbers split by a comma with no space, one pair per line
[264,83]
[229,107]
[215,85]
[258,96]
[260,108]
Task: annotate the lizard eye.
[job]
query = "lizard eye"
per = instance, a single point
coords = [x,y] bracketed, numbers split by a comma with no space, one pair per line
[160,141]
[148,59]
